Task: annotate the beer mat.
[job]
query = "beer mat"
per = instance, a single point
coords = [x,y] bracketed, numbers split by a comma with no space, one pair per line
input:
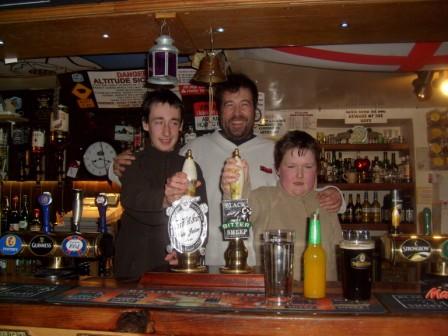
[401,303]
[14,292]
[208,300]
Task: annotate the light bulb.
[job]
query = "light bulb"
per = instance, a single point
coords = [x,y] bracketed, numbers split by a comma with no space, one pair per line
[444,87]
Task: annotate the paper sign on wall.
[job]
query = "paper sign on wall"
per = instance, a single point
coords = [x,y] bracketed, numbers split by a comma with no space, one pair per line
[118,89]
[365,116]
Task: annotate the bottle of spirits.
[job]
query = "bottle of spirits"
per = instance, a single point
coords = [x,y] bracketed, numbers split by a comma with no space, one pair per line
[376,209]
[14,215]
[35,224]
[387,173]
[321,175]
[4,153]
[358,209]
[377,177]
[314,262]
[366,213]
[5,215]
[350,211]
[329,174]
[236,188]
[20,151]
[405,170]
[24,214]
[394,170]
[59,127]
[38,150]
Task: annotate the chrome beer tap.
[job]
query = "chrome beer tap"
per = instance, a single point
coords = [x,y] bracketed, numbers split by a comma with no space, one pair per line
[76,209]
[106,241]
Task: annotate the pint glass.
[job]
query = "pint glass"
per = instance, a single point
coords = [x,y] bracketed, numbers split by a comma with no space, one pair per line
[278,266]
[357,251]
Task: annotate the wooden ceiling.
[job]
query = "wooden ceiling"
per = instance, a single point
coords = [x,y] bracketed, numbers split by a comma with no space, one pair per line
[133,25]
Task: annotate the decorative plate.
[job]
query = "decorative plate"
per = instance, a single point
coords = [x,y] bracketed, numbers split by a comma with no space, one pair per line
[359,135]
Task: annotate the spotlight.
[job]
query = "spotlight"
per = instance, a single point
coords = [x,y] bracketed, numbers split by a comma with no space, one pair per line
[441,83]
[422,85]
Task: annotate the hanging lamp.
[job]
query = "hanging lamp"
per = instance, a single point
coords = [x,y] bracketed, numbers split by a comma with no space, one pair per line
[162,60]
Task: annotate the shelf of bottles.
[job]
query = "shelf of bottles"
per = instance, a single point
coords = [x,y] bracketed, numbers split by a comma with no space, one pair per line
[367,171]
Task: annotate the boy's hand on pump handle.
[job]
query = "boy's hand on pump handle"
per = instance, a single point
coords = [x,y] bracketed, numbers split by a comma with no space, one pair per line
[176,186]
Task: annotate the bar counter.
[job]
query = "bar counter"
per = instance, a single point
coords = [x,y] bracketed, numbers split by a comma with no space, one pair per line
[56,318]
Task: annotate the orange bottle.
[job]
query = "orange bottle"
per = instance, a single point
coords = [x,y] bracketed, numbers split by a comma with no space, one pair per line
[314,262]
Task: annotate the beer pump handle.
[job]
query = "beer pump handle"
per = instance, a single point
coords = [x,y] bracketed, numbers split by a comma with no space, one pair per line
[101,203]
[44,201]
[427,224]
[76,209]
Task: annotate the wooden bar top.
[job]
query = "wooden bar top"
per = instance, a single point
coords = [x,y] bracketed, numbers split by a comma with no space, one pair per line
[44,318]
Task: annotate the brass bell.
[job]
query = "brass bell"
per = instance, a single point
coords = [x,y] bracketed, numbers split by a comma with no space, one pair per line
[210,69]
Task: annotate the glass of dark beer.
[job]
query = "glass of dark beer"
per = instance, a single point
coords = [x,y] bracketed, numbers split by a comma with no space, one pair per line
[357,252]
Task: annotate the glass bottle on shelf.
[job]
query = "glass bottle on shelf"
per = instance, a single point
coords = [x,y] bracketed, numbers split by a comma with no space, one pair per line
[405,170]
[387,173]
[376,209]
[395,175]
[14,215]
[366,209]
[377,176]
[4,153]
[350,211]
[5,215]
[20,140]
[38,150]
[35,224]
[24,214]
[322,168]
[329,175]
[59,127]
[385,210]
[407,213]
[358,209]
[339,167]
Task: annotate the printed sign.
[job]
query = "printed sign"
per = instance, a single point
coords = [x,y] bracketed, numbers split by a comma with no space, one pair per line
[235,219]
[204,119]
[74,246]
[187,224]
[118,89]
[41,245]
[416,249]
[184,77]
[365,116]
[10,244]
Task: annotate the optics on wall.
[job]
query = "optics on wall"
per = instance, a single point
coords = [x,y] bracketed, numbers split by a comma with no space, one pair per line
[162,60]
[423,85]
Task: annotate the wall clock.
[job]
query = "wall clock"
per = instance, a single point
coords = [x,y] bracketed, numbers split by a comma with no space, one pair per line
[98,157]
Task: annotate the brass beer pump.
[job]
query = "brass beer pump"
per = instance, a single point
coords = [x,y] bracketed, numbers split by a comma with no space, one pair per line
[190,254]
[236,253]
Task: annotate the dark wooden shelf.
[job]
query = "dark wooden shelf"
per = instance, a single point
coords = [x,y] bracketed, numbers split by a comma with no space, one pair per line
[366,147]
[404,227]
[371,186]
